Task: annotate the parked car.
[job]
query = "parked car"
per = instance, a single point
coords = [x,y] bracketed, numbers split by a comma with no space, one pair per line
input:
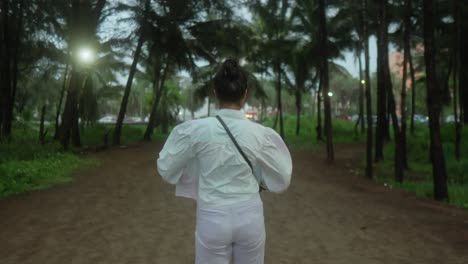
[450,119]
[345,117]
[107,119]
[420,118]
[132,119]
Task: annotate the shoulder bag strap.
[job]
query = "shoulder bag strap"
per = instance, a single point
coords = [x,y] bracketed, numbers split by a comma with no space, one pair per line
[235,142]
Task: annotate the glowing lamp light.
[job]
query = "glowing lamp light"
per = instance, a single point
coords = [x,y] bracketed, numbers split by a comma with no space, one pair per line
[85,55]
[363,81]
[330,94]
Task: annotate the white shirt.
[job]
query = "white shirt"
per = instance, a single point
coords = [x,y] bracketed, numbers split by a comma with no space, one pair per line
[203,162]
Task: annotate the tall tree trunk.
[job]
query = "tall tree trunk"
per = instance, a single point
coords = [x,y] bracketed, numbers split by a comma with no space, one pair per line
[360,28]
[455,109]
[280,104]
[2,55]
[164,114]
[463,67]
[369,139]
[6,73]
[407,48]
[70,111]
[275,121]
[434,105]
[361,92]
[59,107]
[298,108]
[262,111]
[319,110]
[325,80]
[128,87]
[41,126]
[399,147]
[413,89]
[391,107]
[456,87]
[75,130]
[381,84]
[154,107]
[16,57]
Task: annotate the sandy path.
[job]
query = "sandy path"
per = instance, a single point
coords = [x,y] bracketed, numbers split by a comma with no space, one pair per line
[122,212]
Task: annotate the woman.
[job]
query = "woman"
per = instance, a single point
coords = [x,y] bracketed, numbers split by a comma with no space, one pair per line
[203,161]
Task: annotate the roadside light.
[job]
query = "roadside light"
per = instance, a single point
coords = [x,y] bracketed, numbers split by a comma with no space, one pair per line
[363,81]
[85,55]
[330,94]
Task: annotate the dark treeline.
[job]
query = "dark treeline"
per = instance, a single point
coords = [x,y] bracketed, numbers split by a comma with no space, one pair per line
[64,59]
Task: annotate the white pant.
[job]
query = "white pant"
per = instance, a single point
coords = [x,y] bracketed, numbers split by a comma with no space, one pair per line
[232,233]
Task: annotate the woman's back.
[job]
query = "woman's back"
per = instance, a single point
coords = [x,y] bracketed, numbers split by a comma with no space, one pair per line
[224,177]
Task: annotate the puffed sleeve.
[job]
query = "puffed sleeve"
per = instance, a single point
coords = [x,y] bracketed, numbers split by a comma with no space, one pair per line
[176,153]
[275,162]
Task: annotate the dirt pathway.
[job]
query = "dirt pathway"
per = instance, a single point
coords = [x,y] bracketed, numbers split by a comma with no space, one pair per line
[122,212]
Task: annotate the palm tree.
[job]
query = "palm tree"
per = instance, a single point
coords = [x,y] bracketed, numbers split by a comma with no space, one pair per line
[406,56]
[434,105]
[324,78]
[463,67]
[456,87]
[382,85]
[83,24]
[13,35]
[159,90]
[338,39]
[274,29]
[300,65]
[143,33]
[59,107]
[369,137]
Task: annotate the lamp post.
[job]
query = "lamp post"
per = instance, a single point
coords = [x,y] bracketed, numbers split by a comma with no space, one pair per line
[330,94]
[85,56]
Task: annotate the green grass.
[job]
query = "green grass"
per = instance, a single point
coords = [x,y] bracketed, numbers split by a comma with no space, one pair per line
[458,192]
[39,173]
[419,178]
[343,132]
[26,165]
[94,135]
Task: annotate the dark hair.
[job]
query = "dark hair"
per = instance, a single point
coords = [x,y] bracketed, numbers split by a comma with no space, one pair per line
[230,81]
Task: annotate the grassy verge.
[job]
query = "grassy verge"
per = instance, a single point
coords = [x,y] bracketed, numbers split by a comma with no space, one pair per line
[418,178]
[25,175]
[131,133]
[26,165]
[343,132]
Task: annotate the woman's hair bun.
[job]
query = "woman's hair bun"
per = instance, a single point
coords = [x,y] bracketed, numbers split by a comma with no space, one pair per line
[230,81]
[230,69]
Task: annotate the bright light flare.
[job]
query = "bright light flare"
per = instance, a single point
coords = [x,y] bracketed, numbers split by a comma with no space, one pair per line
[363,81]
[85,55]
[330,94]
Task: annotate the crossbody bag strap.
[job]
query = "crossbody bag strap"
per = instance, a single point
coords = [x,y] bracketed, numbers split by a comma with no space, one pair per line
[235,142]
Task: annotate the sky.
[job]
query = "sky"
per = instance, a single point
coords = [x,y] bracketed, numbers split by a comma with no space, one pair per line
[351,64]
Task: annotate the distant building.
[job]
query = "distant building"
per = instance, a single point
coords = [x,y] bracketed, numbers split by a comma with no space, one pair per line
[396,69]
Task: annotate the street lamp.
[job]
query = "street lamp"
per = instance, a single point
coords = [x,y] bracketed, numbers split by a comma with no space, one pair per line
[330,94]
[85,55]
[363,81]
